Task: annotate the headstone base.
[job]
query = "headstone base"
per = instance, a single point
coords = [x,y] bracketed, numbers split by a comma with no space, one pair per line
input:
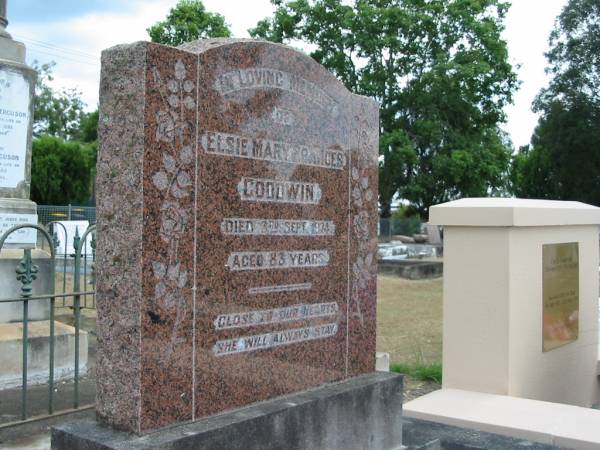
[360,413]
[38,353]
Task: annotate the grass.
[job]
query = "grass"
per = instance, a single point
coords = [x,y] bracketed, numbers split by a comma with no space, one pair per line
[86,300]
[420,371]
[409,322]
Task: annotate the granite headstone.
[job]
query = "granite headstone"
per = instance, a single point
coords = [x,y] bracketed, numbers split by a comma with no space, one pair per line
[237,218]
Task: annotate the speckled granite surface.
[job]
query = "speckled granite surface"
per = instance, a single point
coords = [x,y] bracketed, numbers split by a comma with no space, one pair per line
[237,208]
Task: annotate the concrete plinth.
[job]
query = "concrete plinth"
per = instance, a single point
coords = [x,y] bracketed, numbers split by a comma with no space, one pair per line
[361,413]
[38,352]
[555,424]
[425,435]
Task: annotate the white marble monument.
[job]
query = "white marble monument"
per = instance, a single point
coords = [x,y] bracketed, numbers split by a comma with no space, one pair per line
[17,88]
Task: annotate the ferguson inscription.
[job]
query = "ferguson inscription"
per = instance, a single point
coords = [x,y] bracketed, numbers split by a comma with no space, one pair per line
[14,126]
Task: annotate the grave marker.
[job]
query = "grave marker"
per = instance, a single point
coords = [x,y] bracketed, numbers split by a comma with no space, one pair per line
[237,211]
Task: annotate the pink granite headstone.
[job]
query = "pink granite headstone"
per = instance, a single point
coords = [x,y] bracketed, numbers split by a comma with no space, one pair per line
[237,209]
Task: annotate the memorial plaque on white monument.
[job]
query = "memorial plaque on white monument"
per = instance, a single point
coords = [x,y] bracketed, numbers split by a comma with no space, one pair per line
[14,124]
[22,236]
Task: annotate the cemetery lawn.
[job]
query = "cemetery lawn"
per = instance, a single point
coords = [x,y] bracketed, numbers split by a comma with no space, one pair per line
[409,319]
[409,327]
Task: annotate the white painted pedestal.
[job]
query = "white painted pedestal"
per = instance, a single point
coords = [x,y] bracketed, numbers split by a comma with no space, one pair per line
[493,304]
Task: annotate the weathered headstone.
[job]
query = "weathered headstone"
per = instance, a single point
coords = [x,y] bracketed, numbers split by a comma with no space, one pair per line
[17,86]
[433,234]
[237,209]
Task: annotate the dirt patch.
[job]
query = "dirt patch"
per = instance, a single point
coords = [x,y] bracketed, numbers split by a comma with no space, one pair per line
[415,388]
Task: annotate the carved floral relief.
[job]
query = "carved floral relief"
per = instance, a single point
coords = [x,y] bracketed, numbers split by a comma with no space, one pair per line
[364,200]
[174,181]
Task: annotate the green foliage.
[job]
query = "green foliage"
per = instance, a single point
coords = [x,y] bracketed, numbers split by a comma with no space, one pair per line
[420,371]
[57,112]
[404,224]
[88,127]
[574,56]
[186,22]
[440,72]
[61,172]
[563,161]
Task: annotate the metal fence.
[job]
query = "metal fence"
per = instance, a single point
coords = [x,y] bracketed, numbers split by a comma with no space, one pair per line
[50,213]
[77,293]
[394,226]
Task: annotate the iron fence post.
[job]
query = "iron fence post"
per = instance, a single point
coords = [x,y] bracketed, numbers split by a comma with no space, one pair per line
[77,300]
[26,273]
[24,381]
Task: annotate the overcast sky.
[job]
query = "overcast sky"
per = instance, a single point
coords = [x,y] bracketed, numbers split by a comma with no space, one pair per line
[73,33]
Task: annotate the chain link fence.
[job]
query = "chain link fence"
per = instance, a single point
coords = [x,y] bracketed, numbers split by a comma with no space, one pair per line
[50,213]
[395,226]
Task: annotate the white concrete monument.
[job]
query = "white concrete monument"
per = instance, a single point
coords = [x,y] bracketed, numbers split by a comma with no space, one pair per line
[521,298]
[520,320]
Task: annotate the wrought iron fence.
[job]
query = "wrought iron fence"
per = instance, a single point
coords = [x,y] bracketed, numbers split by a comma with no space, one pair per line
[78,267]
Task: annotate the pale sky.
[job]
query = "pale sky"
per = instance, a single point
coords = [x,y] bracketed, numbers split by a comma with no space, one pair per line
[73,33]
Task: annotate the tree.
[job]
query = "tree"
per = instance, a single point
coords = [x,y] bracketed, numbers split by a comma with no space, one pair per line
[88,127]
[188,21]
[61,172]
[56,112]
[564,159]
[440,72]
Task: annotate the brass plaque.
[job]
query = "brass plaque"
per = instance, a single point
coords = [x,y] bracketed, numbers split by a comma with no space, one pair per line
[560,293]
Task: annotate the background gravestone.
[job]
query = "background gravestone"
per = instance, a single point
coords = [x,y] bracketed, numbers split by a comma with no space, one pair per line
[17,88]
[237,209]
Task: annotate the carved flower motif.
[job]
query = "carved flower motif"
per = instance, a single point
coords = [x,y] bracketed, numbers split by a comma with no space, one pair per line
[179,88]
[173,176]
[363,270]
[165,126]
[171,279]
[179,70]
[173,221]
[361,225]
